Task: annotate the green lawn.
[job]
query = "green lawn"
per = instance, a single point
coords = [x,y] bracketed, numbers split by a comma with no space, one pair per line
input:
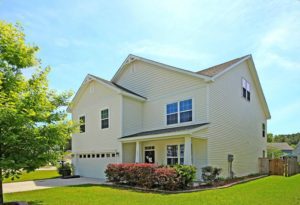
[38,174]
[270,190]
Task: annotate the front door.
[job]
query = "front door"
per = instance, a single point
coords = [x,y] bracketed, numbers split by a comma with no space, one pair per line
[149,154]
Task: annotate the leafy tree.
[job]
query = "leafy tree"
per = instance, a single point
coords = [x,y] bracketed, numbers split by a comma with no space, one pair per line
[269,137]
[34,126]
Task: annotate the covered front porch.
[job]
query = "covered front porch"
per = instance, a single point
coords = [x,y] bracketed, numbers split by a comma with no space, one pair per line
[167,149]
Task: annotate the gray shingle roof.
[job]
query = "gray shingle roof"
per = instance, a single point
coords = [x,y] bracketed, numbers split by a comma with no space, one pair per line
[117,86]
[214,70]
[167,130]
[280,146]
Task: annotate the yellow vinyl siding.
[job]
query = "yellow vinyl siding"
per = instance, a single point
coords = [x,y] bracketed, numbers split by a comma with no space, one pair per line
[236,124]
[90,104]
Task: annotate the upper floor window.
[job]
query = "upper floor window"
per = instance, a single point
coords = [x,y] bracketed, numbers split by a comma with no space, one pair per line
[246,89]
[82,124]
[179,111]
[104,119]
[263,129]
[172,113]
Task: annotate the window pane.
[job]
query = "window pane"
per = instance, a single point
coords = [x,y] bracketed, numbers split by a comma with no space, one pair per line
[104,123]
[182,150]
[82,128]
[181,160]
[172,108]
[172,150]
[186,116]
[172,119]
[104,114]
[82,119]
[172,161]
[248,95]
[244,83]
[244,92]
[186,105]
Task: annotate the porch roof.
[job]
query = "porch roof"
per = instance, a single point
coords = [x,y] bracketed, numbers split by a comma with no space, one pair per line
[165,131]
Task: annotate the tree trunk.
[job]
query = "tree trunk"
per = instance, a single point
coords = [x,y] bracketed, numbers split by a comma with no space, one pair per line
[1,189]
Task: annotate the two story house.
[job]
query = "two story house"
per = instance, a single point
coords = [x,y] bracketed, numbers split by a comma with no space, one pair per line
[155,113]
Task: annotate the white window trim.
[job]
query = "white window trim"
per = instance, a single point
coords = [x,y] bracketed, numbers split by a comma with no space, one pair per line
[106,108]
[178,154]
[178,112]
[79,116]
[247,84]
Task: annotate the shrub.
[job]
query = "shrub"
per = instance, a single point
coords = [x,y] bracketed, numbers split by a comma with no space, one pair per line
[150,175]
[166,178]
[210,174]
[130,173]
[65,169]
[187,174]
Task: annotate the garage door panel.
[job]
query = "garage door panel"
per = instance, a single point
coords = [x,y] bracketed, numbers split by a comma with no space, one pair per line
[94,167]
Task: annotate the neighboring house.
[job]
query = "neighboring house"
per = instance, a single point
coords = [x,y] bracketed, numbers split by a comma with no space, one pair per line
[296,151]
[284,147]
[156,113]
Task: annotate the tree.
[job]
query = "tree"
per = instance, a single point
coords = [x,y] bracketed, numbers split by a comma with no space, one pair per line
[34,126]
[269,137]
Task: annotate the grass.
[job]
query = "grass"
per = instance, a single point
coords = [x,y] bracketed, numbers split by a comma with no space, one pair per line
[38,174]
[273,190]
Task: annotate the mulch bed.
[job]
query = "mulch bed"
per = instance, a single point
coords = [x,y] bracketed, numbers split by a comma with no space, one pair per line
[201,187]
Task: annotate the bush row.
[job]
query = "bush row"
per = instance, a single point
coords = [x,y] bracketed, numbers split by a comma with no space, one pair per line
[151,175]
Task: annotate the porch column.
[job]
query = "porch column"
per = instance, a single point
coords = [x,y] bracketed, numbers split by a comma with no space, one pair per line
[120,150]
[188,150]
[137,152]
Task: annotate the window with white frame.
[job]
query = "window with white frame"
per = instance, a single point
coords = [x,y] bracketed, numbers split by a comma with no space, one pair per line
[175,154]
[172,113]
[246,92]
[179,112]
[82,124]
[104,118]
[263,129]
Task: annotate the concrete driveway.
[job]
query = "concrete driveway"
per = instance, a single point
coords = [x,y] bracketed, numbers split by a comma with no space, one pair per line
[48,183]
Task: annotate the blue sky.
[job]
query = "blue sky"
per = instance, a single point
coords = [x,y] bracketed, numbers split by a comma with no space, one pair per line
[80,37]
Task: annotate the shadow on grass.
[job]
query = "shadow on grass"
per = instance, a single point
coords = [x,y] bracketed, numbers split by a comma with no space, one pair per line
[126,188]
[35,203]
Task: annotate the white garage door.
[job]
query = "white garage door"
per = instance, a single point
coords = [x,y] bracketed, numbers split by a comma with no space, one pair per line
[94,165]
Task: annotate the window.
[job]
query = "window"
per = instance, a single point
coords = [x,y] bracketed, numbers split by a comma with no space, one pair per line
[84,156]
[98,155]
[186,111]
[264,154]
[104,119]
[263,129]
[179,111]
[80,156]
[113,155]
[246,89]
[173,156]
[107,155]
[93,155]
[88,156]
[172,113]
[102,155]
[181,153]
[82,124]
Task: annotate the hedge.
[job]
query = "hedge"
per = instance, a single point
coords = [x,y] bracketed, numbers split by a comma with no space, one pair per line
[151,175]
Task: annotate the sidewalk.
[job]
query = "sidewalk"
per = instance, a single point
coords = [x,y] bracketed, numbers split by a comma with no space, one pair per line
[48,183]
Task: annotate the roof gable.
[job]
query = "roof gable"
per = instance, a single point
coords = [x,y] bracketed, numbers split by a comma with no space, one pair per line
[113,86]
[131,58]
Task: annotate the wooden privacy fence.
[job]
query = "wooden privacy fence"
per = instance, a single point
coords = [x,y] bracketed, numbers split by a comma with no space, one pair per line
[283,167]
